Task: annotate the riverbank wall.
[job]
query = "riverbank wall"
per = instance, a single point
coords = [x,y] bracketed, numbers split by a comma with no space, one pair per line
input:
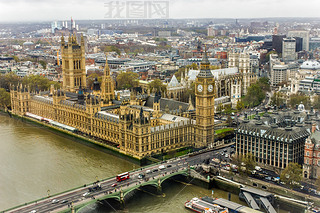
[80,139]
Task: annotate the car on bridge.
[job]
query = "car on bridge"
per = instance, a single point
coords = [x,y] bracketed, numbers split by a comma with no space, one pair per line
[162,167]
[86,194]
[95,188]
[55,201]
[140,176]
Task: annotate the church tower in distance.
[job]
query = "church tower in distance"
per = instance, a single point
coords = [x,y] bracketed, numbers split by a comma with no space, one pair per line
[73,64]
[204,87]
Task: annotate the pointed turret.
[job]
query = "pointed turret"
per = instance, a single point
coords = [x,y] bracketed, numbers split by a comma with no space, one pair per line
[62,40]
[106,67]
[205,71]
[70,40]
[82,40]
[107,84]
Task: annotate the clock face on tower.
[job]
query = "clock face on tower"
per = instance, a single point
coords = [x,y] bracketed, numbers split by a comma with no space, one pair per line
[200,88]
[210,88]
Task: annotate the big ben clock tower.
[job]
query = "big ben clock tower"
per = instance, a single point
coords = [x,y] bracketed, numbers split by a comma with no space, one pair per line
[204,87]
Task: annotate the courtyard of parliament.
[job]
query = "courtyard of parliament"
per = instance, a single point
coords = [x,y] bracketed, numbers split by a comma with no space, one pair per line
[143,124]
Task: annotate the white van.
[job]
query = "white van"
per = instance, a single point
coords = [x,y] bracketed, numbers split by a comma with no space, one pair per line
[162,167]
[148,171]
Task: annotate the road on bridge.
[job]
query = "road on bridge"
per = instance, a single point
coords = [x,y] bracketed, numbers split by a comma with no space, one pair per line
[82,195]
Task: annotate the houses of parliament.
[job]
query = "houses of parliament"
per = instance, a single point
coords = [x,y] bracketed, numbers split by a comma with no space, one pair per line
[141,126]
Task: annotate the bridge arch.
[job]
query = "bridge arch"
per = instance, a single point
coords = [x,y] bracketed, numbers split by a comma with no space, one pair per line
[117,195]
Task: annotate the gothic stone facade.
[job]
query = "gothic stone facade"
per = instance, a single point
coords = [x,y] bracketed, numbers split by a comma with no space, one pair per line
[135,129]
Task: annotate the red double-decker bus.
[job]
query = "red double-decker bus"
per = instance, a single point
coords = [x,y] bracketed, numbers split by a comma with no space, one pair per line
[123,176]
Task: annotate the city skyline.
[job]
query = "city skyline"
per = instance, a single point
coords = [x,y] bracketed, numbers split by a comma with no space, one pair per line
[36,10]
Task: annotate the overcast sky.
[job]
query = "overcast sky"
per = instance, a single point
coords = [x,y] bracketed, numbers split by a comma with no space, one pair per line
[48,10]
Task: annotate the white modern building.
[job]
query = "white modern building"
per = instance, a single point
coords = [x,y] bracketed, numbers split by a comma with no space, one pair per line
[278,74]
[304,34]
[289,49]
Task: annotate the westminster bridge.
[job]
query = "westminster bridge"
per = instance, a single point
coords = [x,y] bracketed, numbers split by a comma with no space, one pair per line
[75,199]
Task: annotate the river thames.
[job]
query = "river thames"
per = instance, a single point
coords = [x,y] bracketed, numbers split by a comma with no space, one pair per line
[35,162]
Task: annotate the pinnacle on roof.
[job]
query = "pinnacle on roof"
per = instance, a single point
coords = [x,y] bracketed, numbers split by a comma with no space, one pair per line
[205,66]
[205,57]
[174,82]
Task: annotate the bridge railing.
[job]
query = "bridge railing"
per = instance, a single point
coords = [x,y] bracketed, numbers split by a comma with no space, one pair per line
[83,186]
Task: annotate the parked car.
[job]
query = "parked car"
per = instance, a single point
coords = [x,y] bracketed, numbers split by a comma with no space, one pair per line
[114,185]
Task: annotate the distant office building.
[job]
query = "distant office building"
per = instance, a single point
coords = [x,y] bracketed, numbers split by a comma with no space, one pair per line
[298,44]
[164,33]
[304,34]
[267,44]
[278,74]
[289,49]
[273,60]
[210,31]
[277,42]
[314,43]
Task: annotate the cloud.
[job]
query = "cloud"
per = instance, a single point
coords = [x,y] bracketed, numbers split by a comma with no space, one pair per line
[45,10]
